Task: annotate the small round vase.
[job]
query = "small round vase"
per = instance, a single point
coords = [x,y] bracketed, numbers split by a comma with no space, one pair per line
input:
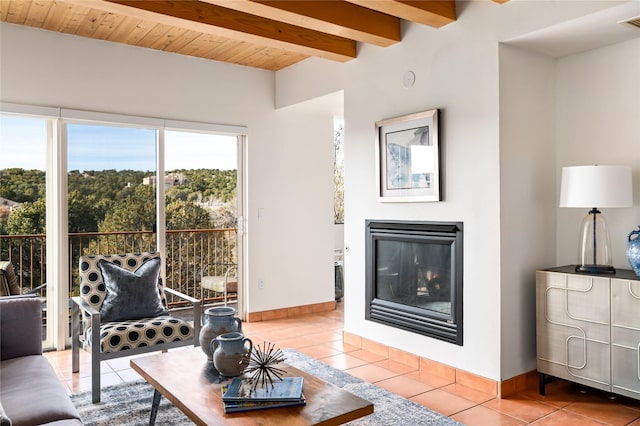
[229,352]
[217,321]
[633,250]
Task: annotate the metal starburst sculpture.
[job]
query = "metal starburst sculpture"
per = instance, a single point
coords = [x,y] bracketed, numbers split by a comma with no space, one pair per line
[261,370]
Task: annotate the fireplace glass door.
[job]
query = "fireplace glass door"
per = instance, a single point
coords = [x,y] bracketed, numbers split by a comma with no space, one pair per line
[414,277]
[414,274]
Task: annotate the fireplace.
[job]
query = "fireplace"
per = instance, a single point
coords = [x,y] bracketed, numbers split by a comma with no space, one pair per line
[414,277]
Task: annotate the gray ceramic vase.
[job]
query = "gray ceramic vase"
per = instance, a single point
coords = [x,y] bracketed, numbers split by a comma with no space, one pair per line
[230,353]
[217,321]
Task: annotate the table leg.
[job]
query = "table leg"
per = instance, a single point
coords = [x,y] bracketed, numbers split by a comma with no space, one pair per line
[154,407]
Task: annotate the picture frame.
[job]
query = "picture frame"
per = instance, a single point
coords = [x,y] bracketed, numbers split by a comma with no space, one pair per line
[408,158]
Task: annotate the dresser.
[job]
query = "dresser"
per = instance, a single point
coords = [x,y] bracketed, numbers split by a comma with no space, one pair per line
[588,329]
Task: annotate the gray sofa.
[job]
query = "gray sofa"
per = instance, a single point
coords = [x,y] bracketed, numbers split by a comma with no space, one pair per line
[30,392]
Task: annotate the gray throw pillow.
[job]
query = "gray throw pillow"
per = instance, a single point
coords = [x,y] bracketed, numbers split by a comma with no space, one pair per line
[131,295]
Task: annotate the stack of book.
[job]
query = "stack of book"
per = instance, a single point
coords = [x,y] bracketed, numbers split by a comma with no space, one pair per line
[239,395]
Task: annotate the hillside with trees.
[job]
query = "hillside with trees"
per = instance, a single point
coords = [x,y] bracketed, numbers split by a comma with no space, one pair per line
[110,200]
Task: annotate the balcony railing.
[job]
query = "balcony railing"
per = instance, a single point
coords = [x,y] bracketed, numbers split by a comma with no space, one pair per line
[191,254]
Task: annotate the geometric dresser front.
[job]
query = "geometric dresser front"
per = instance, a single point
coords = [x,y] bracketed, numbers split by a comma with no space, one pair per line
[625,337]
[588,329]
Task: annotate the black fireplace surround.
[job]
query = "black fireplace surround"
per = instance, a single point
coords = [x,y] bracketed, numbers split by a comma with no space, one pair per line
[414,277]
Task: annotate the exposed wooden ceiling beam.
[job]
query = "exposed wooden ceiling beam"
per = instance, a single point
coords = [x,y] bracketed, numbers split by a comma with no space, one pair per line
[219,21]
[435,13]
[333,17]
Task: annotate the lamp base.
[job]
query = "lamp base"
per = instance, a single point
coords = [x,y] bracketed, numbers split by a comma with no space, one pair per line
[596,269]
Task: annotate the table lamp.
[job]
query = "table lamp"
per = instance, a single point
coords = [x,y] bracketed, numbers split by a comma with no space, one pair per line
[595,187]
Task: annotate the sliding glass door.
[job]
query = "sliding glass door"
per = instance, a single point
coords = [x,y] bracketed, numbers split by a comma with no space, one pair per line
[23,204]
[201,206]
[78,183]
[111,191]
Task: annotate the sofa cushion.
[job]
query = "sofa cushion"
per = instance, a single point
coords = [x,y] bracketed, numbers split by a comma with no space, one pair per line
[21,321]
[131,295]
[31,393]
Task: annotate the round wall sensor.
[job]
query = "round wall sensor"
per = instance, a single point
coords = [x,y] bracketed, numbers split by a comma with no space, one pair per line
[408,79]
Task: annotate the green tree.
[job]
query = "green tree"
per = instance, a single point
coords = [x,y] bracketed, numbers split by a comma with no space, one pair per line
[85,212]
[22,185]
[134,213]
[29,218]
[184,215]
[225,215]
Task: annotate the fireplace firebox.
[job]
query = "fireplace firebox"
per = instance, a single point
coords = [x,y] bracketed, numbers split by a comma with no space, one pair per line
[414,277]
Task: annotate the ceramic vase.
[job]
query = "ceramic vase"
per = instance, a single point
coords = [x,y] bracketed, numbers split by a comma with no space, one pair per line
[633,250]
[217,321]
[229,352]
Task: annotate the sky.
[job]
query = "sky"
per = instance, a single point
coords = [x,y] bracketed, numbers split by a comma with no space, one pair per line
[23,145]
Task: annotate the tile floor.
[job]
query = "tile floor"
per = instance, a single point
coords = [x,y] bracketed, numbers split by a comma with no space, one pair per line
[320,336]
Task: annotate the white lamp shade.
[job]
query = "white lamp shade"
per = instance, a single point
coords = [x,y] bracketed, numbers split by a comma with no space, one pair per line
[596,186]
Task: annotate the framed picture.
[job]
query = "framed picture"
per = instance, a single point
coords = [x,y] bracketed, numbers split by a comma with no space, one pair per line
[407,157]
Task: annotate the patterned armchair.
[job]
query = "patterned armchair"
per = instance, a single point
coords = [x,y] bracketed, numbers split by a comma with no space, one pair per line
[124,298]
[9,282]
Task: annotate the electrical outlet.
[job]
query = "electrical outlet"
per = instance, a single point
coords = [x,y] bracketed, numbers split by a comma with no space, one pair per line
[261,284]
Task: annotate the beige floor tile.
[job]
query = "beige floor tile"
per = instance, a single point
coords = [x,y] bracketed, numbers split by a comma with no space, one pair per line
[467,393]
[404,386]
[367,356]
[523,409]
[443,402]
[395,366]
[565,418]
[604,410]
[483,416]
[344,361]
[371,373]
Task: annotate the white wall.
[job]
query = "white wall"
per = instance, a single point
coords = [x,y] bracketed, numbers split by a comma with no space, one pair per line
[456,71]
[492,147]
[292,243]
[527,197]
[288,153]
[598,115]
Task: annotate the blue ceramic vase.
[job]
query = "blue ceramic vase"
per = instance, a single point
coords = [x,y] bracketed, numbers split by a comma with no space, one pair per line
[217,321]
[633,250]
[230,353]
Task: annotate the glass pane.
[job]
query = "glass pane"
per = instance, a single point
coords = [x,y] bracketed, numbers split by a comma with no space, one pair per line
[414,274]
[112,200]
[201,207]
[22,200]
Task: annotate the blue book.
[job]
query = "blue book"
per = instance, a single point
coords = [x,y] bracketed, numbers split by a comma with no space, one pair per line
[287,389]
[240,406]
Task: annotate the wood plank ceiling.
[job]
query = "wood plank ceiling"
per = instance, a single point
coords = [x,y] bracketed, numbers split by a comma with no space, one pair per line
[267,34]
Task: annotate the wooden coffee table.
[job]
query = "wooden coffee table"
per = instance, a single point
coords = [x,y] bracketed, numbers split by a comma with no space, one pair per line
[192,384]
